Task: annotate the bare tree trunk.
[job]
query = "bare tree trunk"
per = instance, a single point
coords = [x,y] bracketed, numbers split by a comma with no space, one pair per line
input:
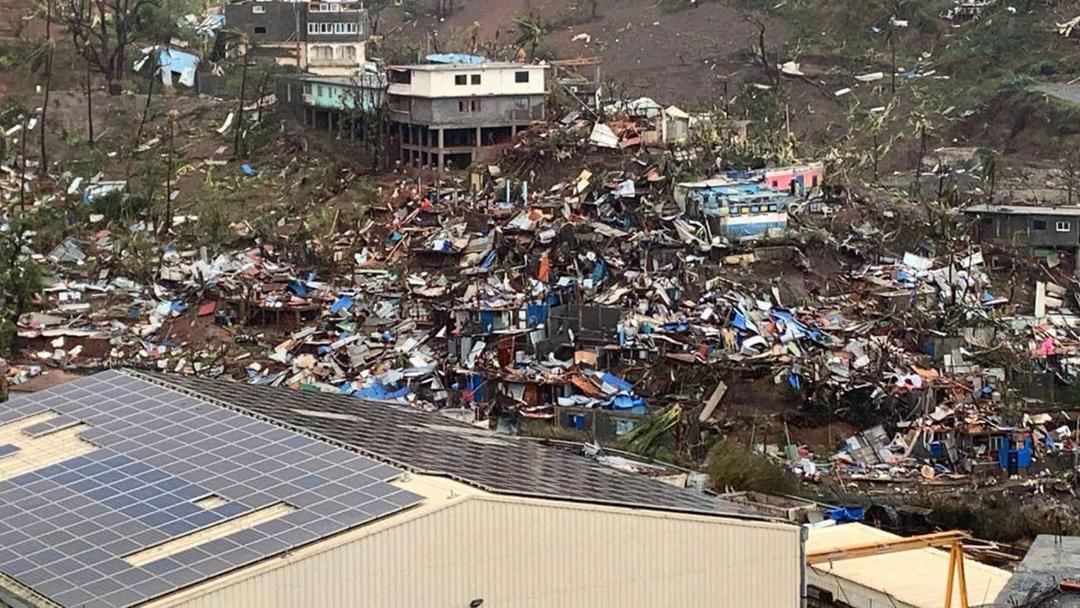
[763,53]
[169,175]
[43,170]
[22,174]
[892,50]
[149,96]
[240,111]
[89,106]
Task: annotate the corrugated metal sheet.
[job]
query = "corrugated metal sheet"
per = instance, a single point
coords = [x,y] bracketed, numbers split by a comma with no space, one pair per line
[530,553]
[909,579]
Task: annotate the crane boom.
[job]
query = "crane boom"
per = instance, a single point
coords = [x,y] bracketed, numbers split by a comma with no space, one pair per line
[938,539]
[952,539]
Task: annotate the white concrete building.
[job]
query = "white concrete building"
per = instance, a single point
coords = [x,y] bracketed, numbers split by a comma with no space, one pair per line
[454,114]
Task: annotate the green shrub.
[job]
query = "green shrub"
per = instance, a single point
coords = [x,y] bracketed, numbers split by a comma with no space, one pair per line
[730,465]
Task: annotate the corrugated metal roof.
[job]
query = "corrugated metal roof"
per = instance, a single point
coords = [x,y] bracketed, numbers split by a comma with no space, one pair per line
[916,577]
[1023,210]
[430,443]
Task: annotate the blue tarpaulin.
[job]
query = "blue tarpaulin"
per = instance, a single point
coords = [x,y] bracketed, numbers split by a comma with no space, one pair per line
[739,321]
[846,514]
[487,321]
[536,314]
[377,391]
[342,303]
[617,382]
[298,288]
[599,272]
[455,58]
[626,403]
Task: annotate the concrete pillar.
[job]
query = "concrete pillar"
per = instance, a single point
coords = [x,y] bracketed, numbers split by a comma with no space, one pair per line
[479,133]
[442,144]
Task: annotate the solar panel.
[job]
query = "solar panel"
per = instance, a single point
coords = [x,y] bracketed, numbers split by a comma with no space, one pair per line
[51,425]
[7,449]
[160,452]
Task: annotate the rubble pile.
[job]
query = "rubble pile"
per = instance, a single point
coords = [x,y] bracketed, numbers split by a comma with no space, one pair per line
[497,297]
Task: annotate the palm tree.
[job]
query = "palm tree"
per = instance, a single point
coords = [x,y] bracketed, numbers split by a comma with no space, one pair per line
[531,32]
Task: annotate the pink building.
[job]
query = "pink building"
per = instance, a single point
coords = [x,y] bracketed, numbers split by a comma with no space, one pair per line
[796,179]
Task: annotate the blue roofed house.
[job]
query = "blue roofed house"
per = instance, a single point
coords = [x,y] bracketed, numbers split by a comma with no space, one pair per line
[735,209]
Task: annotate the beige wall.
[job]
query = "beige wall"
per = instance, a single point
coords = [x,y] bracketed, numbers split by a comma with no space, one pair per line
[493,81]
[531,553]
[853,593]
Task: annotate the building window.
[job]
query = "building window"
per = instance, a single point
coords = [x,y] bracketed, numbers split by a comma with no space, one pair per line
[476,79]
[461,107]
[312,28]
[319,90]
[260,29]
[401,76]
[461,80]
[521,103]
[1063,227]
[813,182]
[475,105]
[521,77]
[1038,225]
[258,10]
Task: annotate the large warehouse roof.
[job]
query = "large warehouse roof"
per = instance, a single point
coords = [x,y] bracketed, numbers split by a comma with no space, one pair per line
[115,490]
[429,443]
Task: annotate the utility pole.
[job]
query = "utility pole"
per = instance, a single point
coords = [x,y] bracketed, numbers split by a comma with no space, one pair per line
[173,115]
[240,111]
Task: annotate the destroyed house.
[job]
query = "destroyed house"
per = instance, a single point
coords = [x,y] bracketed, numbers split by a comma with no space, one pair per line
[580,77]
[450,115]
[326,37]
[334,103]
[735,209]
[1035,231]
[134,489]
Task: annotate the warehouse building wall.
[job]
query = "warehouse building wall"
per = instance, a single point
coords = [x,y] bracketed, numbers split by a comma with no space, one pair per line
[528,553]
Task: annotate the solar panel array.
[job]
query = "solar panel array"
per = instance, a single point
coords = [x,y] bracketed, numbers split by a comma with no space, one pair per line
[432,443]
[65,528]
